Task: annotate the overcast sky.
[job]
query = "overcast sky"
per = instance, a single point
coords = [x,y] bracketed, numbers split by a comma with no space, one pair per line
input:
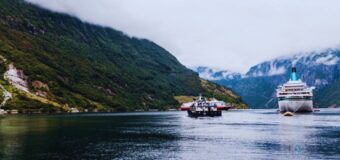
[225,34]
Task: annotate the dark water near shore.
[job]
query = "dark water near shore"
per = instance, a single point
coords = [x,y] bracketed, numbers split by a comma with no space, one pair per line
[251,134]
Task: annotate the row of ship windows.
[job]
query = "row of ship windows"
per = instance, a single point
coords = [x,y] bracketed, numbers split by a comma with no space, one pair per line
[293,86]
[293,89]
[294,93]
[297,98]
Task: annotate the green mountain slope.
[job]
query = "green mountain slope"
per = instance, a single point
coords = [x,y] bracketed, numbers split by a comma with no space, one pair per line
[329,96]
[69,63]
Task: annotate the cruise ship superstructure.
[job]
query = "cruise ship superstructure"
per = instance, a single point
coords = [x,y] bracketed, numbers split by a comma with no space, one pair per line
[295,95]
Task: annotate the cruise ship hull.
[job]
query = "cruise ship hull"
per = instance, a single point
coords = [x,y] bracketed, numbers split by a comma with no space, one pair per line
[296,106]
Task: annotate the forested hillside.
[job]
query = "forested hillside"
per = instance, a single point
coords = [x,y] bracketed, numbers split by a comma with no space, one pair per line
[65,63]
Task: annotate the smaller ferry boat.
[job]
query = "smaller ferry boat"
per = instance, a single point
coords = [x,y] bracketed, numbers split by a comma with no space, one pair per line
[220,105]
[203,107]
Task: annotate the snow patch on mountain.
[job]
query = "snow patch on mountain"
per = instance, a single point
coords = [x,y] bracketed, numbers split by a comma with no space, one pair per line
[215,74]
[320,82]
[276,71]
[208,74]
[269,68]
[257,73]
[328,60]
[325,57]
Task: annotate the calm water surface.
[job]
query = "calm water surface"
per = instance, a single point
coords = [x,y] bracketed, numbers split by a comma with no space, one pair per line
[250,134]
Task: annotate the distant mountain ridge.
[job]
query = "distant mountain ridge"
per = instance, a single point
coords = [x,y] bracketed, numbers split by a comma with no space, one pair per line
[319,69]
[52,61]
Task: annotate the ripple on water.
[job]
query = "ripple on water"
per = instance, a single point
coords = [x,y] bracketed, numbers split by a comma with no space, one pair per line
[250,134]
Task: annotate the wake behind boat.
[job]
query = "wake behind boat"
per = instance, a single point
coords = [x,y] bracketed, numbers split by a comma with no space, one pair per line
[295,95]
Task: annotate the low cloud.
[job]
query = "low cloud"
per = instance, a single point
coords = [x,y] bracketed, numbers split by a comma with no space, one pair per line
[228,34]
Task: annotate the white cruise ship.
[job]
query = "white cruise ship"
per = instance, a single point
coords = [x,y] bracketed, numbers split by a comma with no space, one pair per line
[295,95]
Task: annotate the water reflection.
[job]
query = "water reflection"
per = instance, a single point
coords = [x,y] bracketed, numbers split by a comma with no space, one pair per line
[259,134]
[292,134]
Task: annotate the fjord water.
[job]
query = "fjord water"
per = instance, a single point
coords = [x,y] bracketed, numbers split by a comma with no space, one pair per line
[247,134]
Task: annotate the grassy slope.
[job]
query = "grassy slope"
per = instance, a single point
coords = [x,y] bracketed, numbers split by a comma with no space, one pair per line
[329,95]
[90,66]
[217,91]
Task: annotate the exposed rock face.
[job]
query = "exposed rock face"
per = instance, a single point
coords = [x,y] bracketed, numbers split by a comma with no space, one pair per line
[6,96]
[17,78]
[39,85]
[41,93]
[41,88]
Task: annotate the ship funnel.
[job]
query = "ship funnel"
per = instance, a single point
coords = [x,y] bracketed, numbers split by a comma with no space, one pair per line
[293,75]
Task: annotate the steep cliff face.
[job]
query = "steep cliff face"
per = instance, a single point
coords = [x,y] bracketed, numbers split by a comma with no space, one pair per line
[257,86]
[58,61]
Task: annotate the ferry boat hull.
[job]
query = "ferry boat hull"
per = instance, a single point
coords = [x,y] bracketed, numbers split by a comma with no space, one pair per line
[298,106]
[186,106]
[204,113]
